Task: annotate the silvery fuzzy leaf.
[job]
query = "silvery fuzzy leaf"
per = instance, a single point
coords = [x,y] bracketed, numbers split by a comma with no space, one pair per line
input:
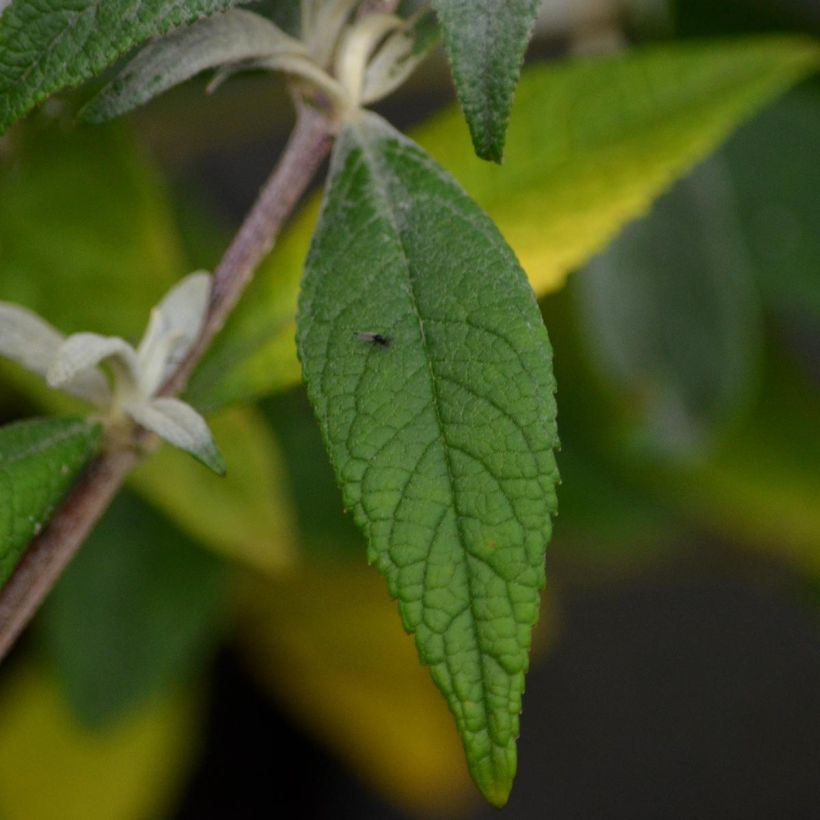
[321,25]
[175,325]
[356,47]
[399,56]
[232,37]
[179,424]
[33,343]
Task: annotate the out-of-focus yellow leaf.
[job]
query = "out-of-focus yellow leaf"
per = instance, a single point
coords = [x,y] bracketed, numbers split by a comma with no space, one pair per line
[591,144]
[53,769]
[246,515]
[330,644]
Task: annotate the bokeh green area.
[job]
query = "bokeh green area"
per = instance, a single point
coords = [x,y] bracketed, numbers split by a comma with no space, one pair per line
[686,348]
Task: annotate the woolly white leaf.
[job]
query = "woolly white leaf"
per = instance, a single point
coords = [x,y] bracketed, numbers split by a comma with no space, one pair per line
[179,424]
[321,25]
[398,58]
[174,326]
[232,37]
[78,356]
[27,339]
[356,47]
[33,343]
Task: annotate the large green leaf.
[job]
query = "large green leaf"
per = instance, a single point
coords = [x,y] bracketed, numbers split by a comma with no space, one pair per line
[590,145]
[39,461]
[430,370]
[46,45]
[486,41]
[134,614]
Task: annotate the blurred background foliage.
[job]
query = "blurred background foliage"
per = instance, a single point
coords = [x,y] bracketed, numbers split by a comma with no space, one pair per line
[220,648]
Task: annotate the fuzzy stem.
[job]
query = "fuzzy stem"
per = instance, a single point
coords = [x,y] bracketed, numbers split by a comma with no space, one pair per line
[52,550]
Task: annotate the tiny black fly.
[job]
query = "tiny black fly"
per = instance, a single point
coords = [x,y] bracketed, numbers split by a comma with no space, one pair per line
[374,339]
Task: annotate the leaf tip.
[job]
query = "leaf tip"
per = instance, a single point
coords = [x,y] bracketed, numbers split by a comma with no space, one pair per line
[213,459]
[494,773]
[496,791]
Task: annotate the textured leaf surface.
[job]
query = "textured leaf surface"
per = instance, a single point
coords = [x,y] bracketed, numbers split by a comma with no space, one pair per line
[52,768]
[39,461]
[46,45]
[430,370]
[486,41]
[136,611]
[590,145]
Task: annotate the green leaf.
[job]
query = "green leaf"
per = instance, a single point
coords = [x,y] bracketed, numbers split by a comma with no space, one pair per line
[136,611]
[39,461]
[430,370]
[592,143]
[486,41]
[47,45]
[671,318]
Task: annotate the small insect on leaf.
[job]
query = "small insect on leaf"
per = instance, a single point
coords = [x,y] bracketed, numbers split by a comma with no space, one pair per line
[374,339]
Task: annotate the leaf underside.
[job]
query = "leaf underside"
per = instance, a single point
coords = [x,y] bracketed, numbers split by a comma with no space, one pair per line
[485,42]
[39,460]
[430,370]
[47,45]
[216,41]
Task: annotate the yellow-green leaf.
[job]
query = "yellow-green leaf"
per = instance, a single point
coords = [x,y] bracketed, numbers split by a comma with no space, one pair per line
[592,142]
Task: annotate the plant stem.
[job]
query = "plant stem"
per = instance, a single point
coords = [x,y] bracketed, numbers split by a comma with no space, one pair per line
[307,148]
[51,551]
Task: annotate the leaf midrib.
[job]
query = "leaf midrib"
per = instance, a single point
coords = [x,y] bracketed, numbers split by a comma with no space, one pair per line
[40,446]
[373,159]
